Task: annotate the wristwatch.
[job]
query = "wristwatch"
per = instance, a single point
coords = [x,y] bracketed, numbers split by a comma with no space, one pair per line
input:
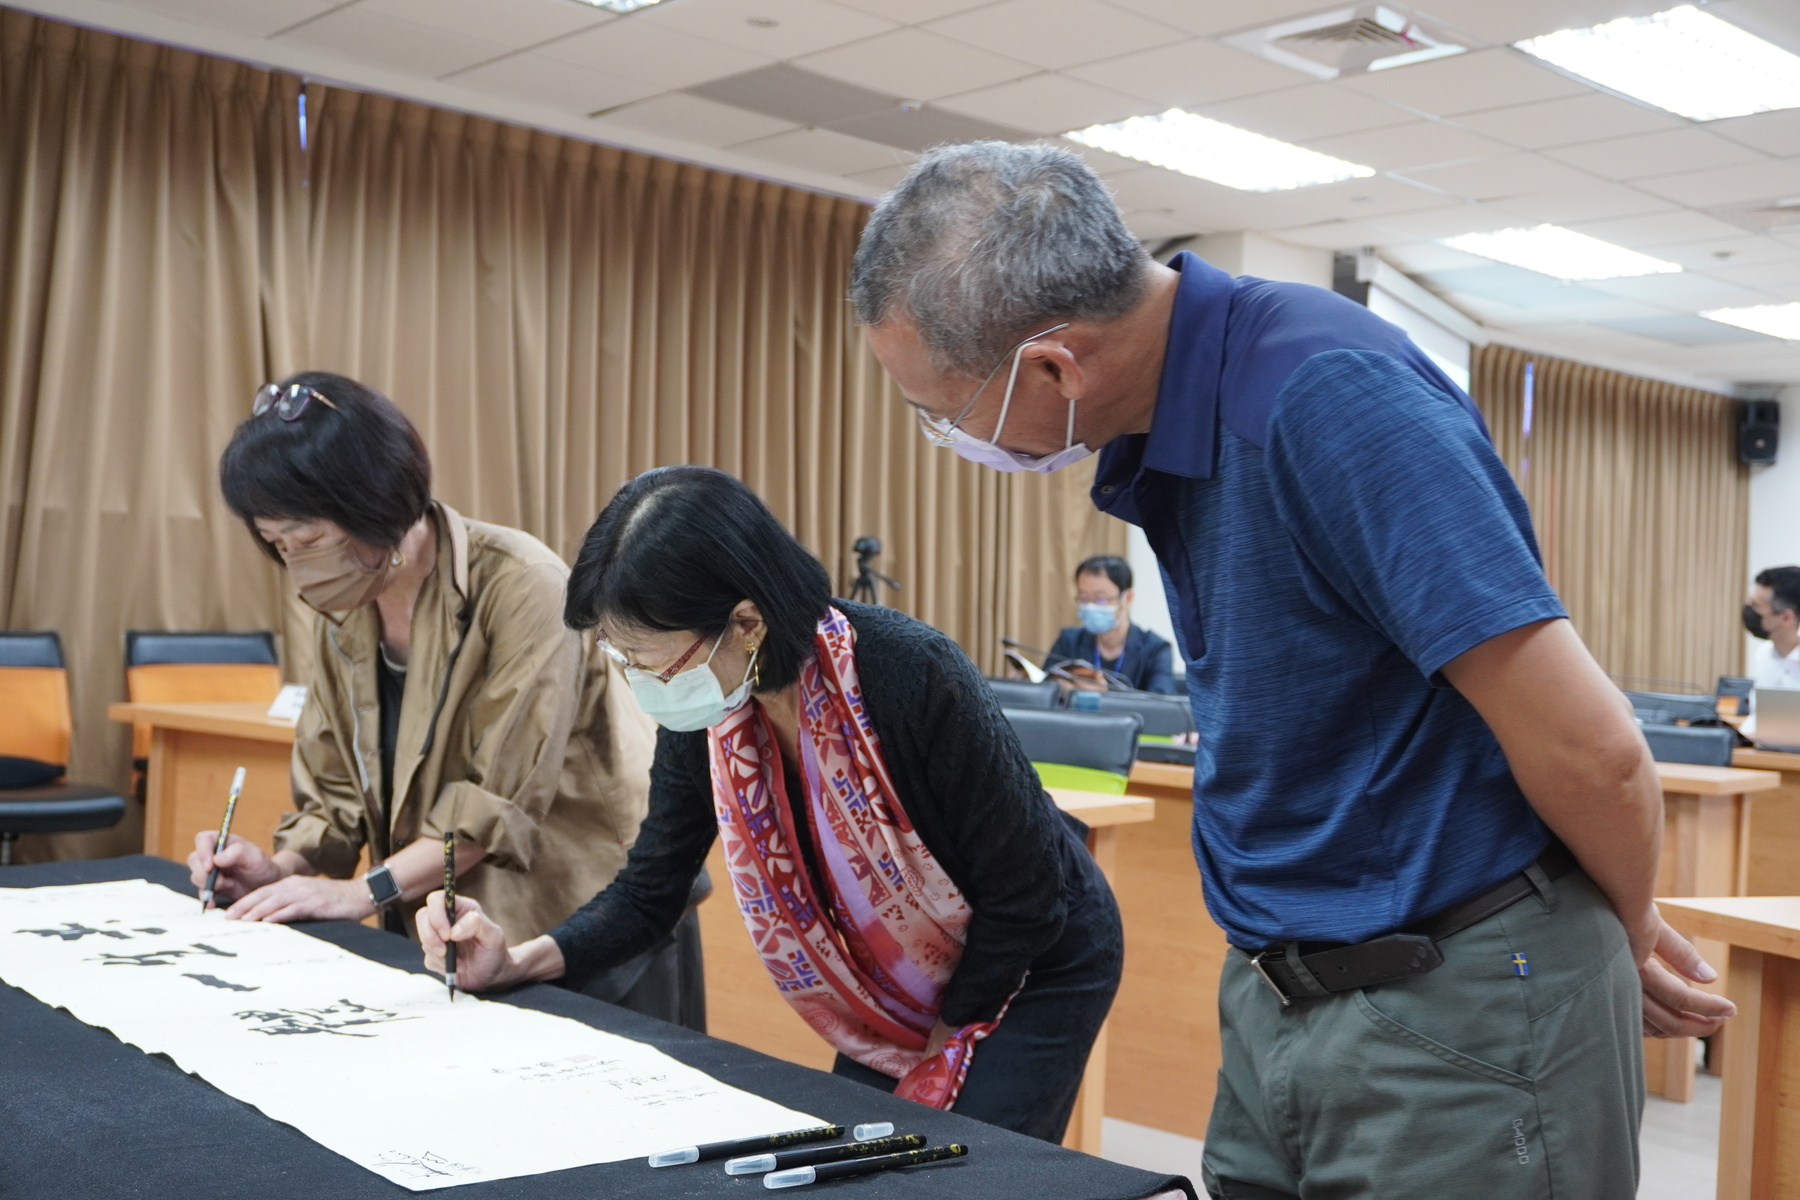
[382,888]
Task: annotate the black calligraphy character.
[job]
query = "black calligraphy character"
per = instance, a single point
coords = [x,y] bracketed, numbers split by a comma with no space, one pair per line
[215,981]
[73,932]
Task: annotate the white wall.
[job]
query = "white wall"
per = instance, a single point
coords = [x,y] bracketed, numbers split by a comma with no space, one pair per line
[1150,608]
[1775,500]
[1265,258]
[1449,350]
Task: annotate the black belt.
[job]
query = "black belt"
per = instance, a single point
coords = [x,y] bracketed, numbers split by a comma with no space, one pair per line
[1290,972]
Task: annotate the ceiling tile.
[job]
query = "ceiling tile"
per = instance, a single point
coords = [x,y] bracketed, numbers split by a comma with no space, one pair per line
[1313,110]
[1152,226]
[1686,330]
[1414,144]
[1334,235]
[1055,33]
[1686,292]
[1769,179]
[669,58]
[1188,74]
[800,26]
[921,128]
[1586,202]
[1776,133]
[881,179]
[916,65]
[1761,276]
[1365,199]
[803,97]
[1506,175]
[514,24]
[261,17]
[1443,222]
[1514,285]
[416,49]
[1422,258]
[1218,16]
[554,84]
[1710,254]
[823,150]
[1515,20]
[692,119]
[1583,118]
[1654,154]
[1463,83]
[1659,229]
[1046,104]
[912,12]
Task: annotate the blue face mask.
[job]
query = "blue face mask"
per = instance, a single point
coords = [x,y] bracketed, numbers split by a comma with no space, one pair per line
[1098,618]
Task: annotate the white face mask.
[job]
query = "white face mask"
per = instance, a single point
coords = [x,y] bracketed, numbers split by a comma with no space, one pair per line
[990,453]
[692,699]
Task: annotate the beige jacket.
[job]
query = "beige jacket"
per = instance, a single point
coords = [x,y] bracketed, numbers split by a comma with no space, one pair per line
[511,733]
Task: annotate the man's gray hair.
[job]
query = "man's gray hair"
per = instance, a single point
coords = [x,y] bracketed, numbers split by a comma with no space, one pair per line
[984,244]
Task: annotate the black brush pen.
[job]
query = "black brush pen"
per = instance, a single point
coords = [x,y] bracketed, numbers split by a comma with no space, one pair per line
[212,876]
[801,1176]
[450,911]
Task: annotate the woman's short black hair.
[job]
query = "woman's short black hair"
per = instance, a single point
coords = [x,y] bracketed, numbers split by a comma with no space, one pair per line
[1109,565]
[360,466]
[679,547]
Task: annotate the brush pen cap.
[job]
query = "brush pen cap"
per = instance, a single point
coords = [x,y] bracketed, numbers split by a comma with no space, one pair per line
[797,1177]
[676,1158]
[873,1130]
[750,1164]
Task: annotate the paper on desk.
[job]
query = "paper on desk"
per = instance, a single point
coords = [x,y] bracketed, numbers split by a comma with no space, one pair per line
[373,1063]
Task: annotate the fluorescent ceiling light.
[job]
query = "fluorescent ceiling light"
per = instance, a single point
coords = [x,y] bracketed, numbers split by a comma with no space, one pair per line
[1206,149]
[1776,320]
[1562,253]
[621,6]
[1683,60]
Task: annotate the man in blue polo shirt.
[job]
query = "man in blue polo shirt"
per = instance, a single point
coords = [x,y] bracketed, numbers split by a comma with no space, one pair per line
[1438,882]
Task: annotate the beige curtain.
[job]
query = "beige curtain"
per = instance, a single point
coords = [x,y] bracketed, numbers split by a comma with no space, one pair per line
[555,315]
[1641,508]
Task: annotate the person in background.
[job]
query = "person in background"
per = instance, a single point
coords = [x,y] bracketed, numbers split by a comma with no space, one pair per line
[448,697]
[1772,613]
[1106,640]
[914,894]
[1423,815]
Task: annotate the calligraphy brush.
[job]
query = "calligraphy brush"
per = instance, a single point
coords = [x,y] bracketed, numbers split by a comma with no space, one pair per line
[212,877]
[450,910]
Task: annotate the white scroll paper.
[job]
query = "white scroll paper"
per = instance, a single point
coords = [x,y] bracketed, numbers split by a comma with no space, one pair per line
[373,1063]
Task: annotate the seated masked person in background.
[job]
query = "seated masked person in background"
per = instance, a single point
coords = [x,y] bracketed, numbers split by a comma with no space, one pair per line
[1106,640]
[447,694]
[942,925]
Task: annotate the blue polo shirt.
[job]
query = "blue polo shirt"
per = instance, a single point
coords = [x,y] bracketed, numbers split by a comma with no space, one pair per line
[1333,527]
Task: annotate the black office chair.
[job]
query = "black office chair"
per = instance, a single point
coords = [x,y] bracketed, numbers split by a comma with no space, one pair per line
[1695,710]
[1092,751]
[1736,687]
[1021,693]
[1164,716]
[156,648]
[1705,746]
[35,731]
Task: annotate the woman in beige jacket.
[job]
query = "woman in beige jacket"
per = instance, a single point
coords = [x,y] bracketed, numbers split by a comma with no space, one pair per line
[448,696]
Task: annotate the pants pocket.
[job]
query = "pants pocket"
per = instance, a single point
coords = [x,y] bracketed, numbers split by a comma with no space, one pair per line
[1454,1057]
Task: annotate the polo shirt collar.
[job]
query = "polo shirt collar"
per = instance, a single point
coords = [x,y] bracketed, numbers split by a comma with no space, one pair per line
[1184,430]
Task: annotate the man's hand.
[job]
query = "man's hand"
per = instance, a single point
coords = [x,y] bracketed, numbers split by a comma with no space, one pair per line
[305,898]
[243,867]
[1673,1008]
[1575,751]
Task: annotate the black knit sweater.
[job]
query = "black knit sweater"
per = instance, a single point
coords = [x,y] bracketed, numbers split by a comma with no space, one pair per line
[962,778]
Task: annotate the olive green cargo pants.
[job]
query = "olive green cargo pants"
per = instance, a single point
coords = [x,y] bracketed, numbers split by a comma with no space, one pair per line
[1473,1080]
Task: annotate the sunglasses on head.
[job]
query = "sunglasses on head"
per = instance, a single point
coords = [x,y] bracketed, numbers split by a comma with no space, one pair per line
[287,402]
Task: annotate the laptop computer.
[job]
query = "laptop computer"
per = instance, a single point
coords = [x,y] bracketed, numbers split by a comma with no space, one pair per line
[1778,719]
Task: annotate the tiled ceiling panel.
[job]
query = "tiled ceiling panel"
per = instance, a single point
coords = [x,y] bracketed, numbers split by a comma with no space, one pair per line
[1414,144]
[1685,330]
[1585,118]
[262,18]
[824,150]
[1506,175]
[1220,16]
[1046,104]
[919,129]
[694,119]
[794,95]
[1776,133]
[1770,179]
[517,24]
[1186,74]
[554,84]
[1659,229]
[1302,114]
[914,12]
[1591,201]
[1496,78]
[1056,33]
[916,65]
[417,49]
[772,28]
[652,54]
[1648,154]
[1515,20]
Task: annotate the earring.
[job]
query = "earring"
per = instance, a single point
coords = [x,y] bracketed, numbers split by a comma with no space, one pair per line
[755,666]
[396,560]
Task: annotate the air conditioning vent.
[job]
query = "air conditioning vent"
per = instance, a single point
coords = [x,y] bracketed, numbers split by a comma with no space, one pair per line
[1352,40]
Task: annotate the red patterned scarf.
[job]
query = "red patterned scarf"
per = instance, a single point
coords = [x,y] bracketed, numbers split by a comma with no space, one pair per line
[865,962]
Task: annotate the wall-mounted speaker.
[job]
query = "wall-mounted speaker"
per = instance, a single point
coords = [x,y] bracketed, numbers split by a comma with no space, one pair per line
[1759,430]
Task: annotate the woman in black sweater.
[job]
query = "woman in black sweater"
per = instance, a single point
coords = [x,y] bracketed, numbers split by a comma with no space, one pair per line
[942,925]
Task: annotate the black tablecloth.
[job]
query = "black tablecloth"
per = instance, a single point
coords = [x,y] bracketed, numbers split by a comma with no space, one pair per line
[84,1115]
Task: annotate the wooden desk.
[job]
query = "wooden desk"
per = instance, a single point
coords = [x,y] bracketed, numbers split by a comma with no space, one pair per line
[1706,852]
[1774,826]
[194,748]
[1759,1119]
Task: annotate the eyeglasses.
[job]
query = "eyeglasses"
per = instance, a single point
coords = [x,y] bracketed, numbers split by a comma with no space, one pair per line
[663,676]
[288,402]
[940,431]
